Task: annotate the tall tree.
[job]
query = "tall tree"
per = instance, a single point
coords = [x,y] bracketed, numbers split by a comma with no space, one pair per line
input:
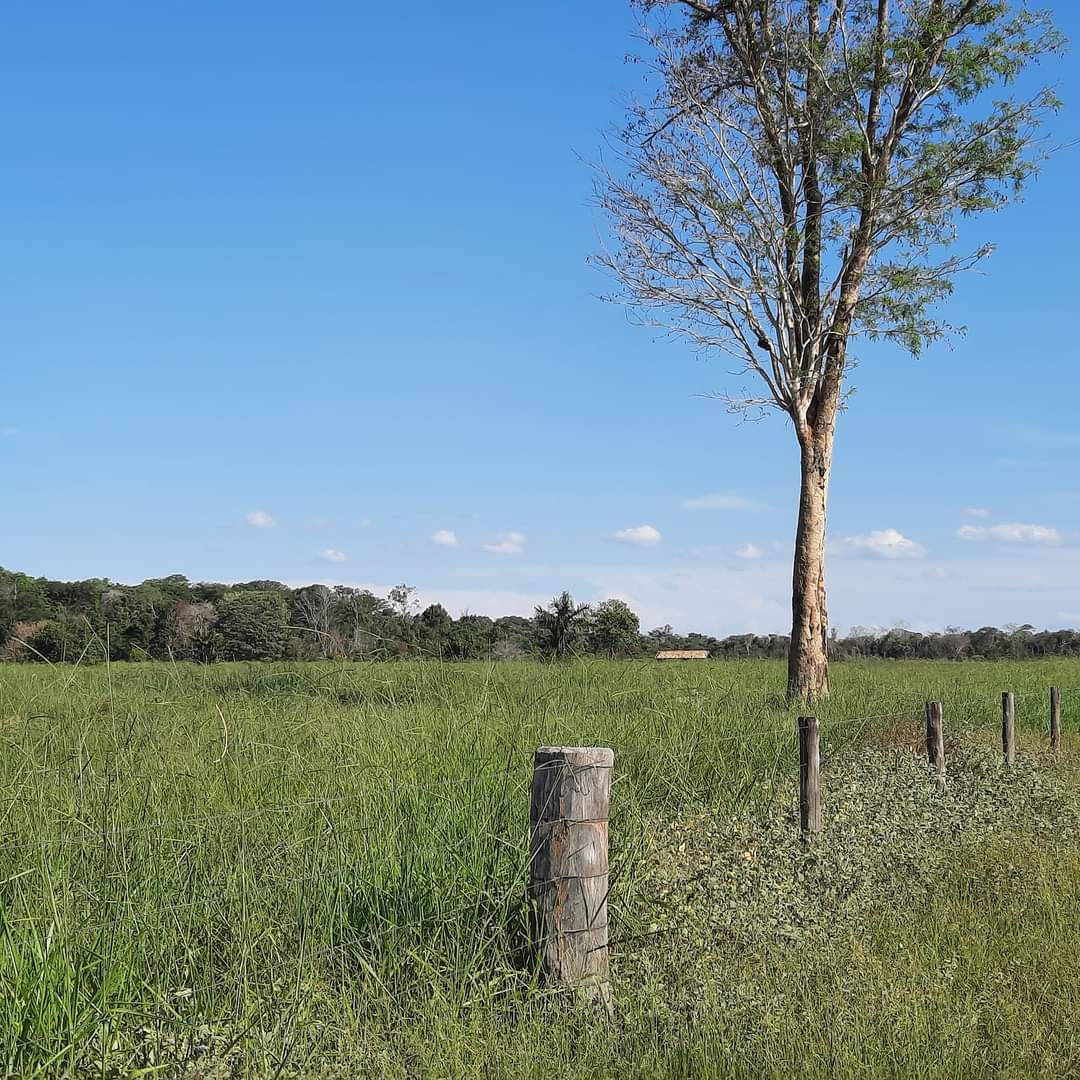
[252,625]
[435,627]
[402,599]
[560,625]
[795,184]
[614,629]
[363,621]
[471,638]
[312,608]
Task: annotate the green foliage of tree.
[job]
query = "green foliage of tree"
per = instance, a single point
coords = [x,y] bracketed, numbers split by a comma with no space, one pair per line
[311,611]
[614,630]
[252,625]
[66,639]
[663,637]
[515,636]
[365,622]
[560,627]
[795,185]
[82,596]
[167,590]
[402,602]
[186,632]
[22,599]
[209,592]
[435,627]
[152,621]
[471,638]
[131,618]
[54,642]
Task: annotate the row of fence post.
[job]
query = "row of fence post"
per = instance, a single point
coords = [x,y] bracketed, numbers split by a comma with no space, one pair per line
[810,757]
[568,841]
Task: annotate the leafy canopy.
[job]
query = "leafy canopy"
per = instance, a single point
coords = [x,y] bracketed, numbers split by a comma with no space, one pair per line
[798,177]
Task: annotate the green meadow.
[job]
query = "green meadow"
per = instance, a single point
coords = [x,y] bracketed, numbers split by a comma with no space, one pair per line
[318,870]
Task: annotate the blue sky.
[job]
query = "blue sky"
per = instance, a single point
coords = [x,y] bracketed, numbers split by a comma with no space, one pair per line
[300,295]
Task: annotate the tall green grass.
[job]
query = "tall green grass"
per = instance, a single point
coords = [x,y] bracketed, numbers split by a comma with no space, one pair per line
[294,869]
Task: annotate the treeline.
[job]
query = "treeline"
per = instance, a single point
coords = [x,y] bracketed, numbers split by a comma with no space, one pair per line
[172,618]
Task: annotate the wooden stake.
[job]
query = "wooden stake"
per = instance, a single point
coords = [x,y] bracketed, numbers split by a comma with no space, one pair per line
[935,738]
[1008,727]
[809,777]
[1055,718]
[568,867]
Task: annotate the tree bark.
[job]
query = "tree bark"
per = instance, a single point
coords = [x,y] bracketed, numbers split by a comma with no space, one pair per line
[808,662]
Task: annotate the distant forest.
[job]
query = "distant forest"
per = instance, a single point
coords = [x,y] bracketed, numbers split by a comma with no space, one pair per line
[172,618]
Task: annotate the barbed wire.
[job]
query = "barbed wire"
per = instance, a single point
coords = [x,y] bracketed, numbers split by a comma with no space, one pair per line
[404,788]
[1044,693]
[93,835]
[336,880]
[102,904]
[92,832]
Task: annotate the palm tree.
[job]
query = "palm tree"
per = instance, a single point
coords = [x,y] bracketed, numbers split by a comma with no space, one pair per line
[558,624]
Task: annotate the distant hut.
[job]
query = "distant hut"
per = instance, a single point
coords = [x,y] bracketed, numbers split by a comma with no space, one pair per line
[683,654]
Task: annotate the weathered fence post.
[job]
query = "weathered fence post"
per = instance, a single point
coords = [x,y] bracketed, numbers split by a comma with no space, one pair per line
[1008,727]
[809,777]
[935,738]
[568,867]
[1055,718]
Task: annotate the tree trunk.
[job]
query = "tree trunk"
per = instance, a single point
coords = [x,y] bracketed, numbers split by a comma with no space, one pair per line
[808,664]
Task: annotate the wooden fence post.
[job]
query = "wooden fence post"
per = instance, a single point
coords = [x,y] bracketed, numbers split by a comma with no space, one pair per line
[935,738]
[1008,727]
[809,777]
[1055,718]
[568,867]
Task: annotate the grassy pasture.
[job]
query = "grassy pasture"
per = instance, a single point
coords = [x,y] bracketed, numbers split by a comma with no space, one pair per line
[318,869]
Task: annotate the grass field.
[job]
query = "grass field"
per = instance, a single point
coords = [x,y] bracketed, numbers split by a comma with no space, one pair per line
[318,870]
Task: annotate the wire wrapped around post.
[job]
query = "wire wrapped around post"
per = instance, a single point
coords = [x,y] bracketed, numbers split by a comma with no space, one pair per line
[568,867]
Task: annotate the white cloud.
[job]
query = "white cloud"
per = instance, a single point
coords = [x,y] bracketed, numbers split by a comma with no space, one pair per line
[642,535]
[977,512]
[510,543]
[1017,533]
[1011,533]
[990,586]
[717,502]
[260,519]
[332,555]
[749,551]
[365,523]
[885,544]
[445,538]
[9,432]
